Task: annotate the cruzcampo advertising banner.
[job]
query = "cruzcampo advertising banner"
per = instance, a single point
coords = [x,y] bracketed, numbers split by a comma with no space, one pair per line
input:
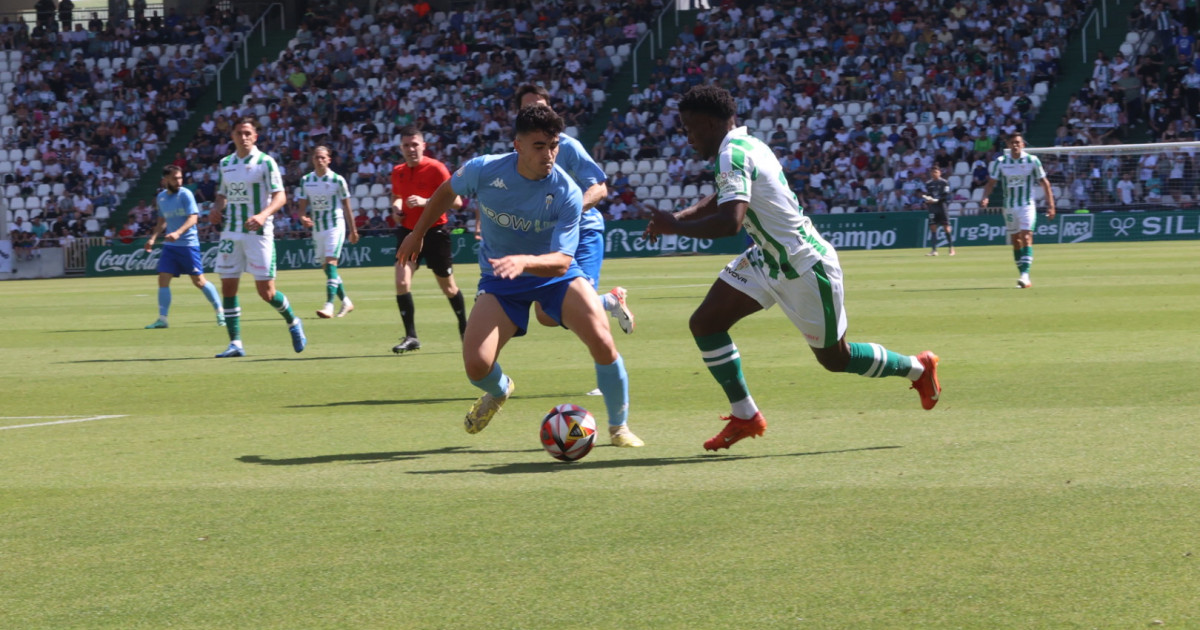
[623,239]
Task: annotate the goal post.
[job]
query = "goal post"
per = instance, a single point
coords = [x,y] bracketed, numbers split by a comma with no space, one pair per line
[1114,177]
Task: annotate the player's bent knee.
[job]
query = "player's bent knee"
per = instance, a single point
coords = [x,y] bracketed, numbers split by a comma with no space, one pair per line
[476,367]
[702,324]
[832,358]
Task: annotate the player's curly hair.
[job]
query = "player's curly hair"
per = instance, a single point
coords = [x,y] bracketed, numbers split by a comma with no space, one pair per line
[709,100]
[538,118]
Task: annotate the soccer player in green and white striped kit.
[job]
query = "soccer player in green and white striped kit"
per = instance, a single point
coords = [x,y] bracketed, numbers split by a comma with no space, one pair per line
[324,200]
[250,193]
[1017,172]
[789,264]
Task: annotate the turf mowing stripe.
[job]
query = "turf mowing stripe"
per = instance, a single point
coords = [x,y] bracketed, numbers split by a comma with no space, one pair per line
[46,424]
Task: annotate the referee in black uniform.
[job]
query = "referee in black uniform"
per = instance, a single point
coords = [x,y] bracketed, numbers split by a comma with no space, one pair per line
[937,194]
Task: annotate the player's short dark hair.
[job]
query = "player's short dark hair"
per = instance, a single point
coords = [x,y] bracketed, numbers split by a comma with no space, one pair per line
[529,88]
[709,100]
[246,120]
[538,118]
[170,170]
[411,130]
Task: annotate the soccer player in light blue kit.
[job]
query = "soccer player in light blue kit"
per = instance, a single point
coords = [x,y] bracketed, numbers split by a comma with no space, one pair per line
[177,216]
[574,159]
[529,213]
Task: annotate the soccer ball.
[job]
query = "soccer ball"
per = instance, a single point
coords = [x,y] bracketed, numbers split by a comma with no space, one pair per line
[568,432]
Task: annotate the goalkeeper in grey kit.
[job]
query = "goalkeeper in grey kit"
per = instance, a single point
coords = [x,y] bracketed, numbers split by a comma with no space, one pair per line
[936,196]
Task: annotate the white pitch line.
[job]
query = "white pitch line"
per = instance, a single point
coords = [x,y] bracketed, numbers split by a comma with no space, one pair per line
[44,424]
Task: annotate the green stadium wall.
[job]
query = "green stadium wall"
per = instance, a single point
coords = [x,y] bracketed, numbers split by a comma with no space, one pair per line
[623,239]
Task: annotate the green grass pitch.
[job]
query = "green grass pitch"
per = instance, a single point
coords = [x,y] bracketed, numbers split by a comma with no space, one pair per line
[1054,486]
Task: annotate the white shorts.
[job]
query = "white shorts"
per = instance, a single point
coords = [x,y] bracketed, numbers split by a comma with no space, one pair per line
[813,301]
[328,244]
[240,253]
[1020,219]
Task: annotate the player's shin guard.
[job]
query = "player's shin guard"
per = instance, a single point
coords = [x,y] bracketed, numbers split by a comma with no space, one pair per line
[460,311]
[874,361]
[164,302]
[1024,258]
[233,318]
[405,304]
[725,364]
[333,284]
[614,384]
[210,292]
[281,304]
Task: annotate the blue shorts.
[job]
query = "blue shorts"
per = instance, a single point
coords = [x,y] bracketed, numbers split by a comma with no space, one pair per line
[180,260]
[516,296]
[590,254]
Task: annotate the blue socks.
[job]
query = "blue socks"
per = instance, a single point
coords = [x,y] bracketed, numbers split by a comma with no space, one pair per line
[164,301]
[164,298]
[614,384]
[210,291]
[495,383]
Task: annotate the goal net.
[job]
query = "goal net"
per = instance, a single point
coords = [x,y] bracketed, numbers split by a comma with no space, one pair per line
[1163,176]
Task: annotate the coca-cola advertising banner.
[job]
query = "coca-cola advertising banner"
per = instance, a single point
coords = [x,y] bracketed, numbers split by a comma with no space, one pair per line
[623,239]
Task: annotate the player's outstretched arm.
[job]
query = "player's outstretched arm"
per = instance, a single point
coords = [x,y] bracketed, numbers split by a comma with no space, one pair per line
[441,200]
[726,221]
[703,208]
[664,222]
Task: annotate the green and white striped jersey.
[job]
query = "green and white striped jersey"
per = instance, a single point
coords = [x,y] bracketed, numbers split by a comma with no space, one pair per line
[747,170]
[324,195]
[1017,178]
[247,185]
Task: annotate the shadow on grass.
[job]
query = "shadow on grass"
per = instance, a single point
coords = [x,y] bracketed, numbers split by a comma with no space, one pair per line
[1009,288]
[364,458]
[206,357]
[423,401]
[556,466]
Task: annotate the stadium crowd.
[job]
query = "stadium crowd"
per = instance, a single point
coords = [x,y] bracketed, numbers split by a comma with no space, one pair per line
[859,99]
[1148,90]
[88,105]
[350,80]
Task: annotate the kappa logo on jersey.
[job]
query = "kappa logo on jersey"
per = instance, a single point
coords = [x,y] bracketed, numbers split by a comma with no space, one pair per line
[498,183]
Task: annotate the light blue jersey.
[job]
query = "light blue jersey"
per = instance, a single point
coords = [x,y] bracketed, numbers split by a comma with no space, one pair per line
[175,209]
[519,215]
[576,161]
